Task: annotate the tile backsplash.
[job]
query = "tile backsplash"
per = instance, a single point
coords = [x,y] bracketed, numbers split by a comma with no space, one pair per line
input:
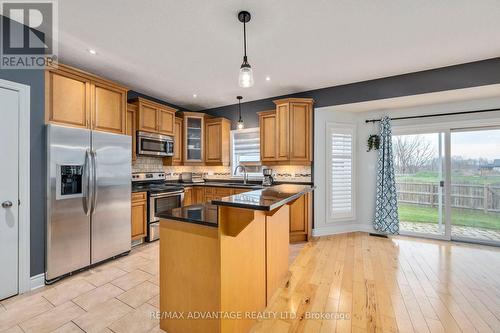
[154,164]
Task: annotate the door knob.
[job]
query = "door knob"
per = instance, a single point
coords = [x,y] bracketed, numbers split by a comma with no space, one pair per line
[6,204]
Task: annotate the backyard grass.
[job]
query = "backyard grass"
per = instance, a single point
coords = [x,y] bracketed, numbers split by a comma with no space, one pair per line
[460,217]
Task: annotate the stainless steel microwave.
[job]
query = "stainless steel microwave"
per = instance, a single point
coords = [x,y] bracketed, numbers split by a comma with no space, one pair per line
[153,144]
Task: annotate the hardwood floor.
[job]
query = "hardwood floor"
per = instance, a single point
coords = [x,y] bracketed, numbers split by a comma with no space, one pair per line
[357,282]
[401,284]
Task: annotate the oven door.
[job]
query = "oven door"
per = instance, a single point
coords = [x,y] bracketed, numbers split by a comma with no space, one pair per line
[162,202]
[159,203]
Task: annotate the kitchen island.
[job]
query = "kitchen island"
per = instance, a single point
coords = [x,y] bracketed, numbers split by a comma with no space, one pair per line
[221,262]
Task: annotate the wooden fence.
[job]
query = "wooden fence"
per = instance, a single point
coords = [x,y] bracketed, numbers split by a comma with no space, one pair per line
[478,197]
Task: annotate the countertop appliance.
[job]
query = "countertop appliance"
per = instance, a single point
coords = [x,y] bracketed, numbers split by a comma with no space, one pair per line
[161,196]
[88,198]
[268,179]
[153,144]
[192,177]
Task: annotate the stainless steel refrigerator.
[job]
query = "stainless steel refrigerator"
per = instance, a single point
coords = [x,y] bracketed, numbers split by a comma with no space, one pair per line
[88,198]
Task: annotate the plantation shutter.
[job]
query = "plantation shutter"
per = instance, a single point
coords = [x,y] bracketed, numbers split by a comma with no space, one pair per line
[340,153]
[246,149]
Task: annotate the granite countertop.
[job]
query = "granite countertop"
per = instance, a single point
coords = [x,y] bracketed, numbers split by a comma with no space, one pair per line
[204,214]
[236,183]
[232,183]
[266,199]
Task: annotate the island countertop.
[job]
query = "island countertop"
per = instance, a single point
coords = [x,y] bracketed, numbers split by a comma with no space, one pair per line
[204,214]
[266,199]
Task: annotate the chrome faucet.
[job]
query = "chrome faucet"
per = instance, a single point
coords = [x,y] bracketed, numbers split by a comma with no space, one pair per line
[245,175]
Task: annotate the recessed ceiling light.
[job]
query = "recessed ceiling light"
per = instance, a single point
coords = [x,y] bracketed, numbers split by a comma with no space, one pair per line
[194,95]
[92,51]
[268,78]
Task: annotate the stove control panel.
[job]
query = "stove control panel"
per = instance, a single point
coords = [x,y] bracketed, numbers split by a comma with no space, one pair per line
[142,176]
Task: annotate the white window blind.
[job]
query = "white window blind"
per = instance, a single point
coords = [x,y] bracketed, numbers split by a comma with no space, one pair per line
[340,169]
[245,150]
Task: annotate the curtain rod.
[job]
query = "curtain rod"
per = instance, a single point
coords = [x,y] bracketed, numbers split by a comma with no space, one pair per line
[434,115]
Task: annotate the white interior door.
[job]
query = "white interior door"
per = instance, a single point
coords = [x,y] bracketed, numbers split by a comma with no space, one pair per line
[9,222]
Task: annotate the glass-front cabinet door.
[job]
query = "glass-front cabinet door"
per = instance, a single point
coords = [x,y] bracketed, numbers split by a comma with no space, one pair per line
[194,134]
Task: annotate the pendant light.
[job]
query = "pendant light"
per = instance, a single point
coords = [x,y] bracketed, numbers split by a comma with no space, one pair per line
[245,79]
[240,124]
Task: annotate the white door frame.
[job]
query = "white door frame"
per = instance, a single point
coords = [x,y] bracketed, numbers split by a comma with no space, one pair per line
[24,181]
[447,128]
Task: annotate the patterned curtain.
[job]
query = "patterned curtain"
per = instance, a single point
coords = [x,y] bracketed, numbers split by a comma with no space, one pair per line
[386,205]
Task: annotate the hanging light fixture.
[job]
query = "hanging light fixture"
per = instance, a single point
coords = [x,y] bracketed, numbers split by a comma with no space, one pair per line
[245,79]
[240,124]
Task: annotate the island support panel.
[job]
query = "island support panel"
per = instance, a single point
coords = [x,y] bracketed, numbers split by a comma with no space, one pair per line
[233,268]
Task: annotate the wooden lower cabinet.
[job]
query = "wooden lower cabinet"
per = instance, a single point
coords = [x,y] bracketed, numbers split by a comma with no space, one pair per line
[198,195]
[201,194]
[188,196]
[301,219]
[139,215]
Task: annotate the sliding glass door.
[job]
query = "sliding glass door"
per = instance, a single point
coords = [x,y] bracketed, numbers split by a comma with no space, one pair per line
[448,184]
[419,167]
[475,185]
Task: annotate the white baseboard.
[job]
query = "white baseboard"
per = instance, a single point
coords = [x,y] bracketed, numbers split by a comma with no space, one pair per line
[37,281]
[341,229]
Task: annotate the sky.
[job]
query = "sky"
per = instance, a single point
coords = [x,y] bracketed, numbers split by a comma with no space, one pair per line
[471,144]
[476,144]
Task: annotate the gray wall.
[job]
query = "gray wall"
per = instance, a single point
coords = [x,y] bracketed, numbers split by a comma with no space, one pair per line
[472,74]
[35,79]
[134,94]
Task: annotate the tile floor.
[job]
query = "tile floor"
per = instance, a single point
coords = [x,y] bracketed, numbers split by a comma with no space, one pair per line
[118,296]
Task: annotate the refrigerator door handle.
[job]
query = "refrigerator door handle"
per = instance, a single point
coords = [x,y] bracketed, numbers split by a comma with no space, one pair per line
[86,183]
[94,181]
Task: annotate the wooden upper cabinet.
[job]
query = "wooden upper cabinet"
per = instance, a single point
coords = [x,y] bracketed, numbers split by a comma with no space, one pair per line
[177,158]
[147,118]
[130,127]
[267,123]
[154,117]
[79,99]
[300,118]
[286,133]
[166,121]
[282,134]
[217,131]
[67,98]
[108,108]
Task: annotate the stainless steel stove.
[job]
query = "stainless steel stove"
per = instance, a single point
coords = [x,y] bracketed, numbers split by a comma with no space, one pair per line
[161,196]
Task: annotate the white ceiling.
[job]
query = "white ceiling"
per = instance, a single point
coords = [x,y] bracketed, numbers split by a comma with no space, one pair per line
[174,49]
